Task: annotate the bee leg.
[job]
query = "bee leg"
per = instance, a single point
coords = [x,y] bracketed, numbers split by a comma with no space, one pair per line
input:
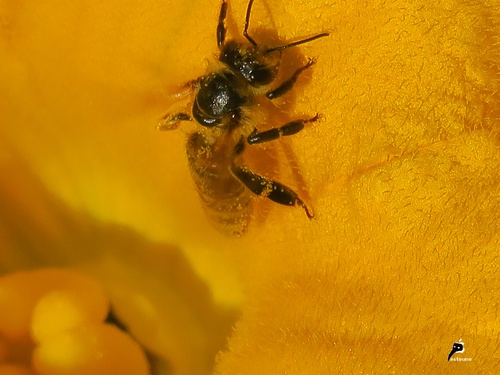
[288,84]
[171,122]
[289,128]
[273,190]
[184,90]
[221,27]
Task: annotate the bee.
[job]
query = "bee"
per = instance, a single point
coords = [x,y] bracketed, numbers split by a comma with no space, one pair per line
[222,103]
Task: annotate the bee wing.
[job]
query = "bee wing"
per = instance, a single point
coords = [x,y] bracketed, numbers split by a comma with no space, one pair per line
[225,200]
[277,161]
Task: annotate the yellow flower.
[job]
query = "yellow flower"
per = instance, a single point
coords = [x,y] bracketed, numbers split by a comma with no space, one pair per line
[87,181]
[400,261]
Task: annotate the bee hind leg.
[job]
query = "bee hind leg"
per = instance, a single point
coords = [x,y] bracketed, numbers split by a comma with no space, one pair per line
[273,190]
[289,128]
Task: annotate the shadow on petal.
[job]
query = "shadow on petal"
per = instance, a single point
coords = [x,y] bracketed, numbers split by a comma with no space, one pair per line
[155,294]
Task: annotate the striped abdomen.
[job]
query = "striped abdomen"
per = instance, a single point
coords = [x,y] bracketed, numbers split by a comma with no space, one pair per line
[225,199]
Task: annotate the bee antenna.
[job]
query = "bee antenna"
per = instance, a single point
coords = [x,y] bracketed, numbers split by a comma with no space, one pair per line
[247,21]
[293,44]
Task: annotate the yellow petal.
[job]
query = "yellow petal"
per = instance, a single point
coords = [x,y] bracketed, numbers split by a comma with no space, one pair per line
[79,109]
[9,369]
[400,261]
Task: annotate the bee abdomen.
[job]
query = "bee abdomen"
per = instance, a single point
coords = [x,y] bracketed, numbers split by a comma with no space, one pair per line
[230,216]
[225,200]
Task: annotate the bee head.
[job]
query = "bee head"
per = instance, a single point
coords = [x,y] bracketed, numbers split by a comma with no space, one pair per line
[255,65]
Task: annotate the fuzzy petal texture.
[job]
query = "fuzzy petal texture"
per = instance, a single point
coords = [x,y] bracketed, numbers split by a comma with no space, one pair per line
[401,260]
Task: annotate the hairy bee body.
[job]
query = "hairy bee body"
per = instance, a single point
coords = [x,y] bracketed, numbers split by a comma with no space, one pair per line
[224,106]
[225,199]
